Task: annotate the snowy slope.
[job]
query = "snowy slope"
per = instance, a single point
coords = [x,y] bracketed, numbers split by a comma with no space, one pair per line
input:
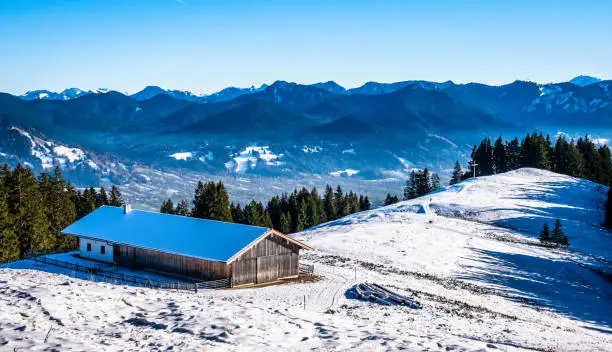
[481,286]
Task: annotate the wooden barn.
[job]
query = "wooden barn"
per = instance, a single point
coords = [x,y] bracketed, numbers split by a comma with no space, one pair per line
[187,247]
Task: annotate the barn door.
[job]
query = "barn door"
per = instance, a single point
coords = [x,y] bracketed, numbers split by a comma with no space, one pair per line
[284,265]
[244,272]
[267,268]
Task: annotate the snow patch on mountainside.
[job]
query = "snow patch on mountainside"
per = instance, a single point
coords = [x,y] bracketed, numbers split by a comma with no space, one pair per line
[182,156]
[248,158]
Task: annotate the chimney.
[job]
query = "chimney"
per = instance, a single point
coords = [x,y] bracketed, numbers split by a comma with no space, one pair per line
[127,208]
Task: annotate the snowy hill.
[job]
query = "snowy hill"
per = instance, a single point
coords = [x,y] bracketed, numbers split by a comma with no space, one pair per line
[468,254]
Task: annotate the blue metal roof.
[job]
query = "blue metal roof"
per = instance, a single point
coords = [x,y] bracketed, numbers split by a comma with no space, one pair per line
[192,237]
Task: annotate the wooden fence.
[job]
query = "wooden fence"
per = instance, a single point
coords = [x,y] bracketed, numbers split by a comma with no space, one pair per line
[97,273]
[306,269]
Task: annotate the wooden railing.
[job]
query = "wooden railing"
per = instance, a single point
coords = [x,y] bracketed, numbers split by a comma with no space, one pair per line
[306,269]
[97,273]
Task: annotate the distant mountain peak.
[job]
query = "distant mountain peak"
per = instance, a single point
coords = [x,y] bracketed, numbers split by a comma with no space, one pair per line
[584,80]
[331,86]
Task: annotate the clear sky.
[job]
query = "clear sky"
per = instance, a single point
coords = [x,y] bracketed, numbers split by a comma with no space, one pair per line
[206,45]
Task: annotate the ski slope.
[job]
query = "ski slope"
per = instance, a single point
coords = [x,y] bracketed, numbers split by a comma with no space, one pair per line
[468,254]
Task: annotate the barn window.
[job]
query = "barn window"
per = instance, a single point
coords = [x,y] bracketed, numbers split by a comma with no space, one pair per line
[102,249]
[89,247]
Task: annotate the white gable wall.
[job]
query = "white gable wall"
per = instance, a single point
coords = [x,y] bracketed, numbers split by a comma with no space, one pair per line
[96,252]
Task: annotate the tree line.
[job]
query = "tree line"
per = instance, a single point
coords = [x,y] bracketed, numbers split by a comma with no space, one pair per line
[33,210]
[580,159]
[287,213]
[418,184]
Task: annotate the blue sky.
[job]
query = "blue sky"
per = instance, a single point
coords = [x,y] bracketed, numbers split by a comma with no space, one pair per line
[203,46]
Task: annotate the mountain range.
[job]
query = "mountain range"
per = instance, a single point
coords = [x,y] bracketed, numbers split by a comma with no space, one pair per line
[377,131]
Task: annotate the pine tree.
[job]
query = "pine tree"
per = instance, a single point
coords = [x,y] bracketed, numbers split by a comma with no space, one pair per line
[222,203]
[329,203]
[500,157]
[557,236]
[88,202]
[364,203]
[435,182]
[24,199]
[275,210]
[254,214]
[513,155]
[483,156]
[340,203]
[412,185]
[9,241]
[102,198]
[300,219]
[182,208]
[457,174]
[237,213]
[390,199]
[285,223]
[58,208]
[116,200]
[545,233]
[167,207]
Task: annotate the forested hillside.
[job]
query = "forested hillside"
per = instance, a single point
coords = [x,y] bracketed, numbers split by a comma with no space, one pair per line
[33,210]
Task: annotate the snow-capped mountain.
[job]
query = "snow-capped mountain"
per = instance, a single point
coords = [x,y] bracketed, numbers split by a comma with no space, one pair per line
[66,94]
[584,80]
[467,257]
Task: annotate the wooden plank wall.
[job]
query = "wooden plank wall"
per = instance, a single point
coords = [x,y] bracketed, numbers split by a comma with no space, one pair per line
[269,260]
[171,263]
[244,272]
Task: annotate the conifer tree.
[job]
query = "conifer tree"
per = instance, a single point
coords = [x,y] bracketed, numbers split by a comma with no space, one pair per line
[483,156]
[500,157]
[167,207]
[182,208]
[223,203]
[390,199]
[513,155]
[285,223]
[275,210]
[254,214]
[116,200]
[9,241]
[30,223]
[58,208]
[545,233]
[329,203]
[557,236]
[457,174]
[411,189]
[300,219]
[102,198]
[340,203]
[237,214]
[435,182]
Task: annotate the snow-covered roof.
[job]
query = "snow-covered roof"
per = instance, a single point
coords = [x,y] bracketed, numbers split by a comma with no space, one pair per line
[192,237]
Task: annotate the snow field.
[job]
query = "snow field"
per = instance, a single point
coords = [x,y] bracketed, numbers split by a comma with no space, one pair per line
[468,254]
